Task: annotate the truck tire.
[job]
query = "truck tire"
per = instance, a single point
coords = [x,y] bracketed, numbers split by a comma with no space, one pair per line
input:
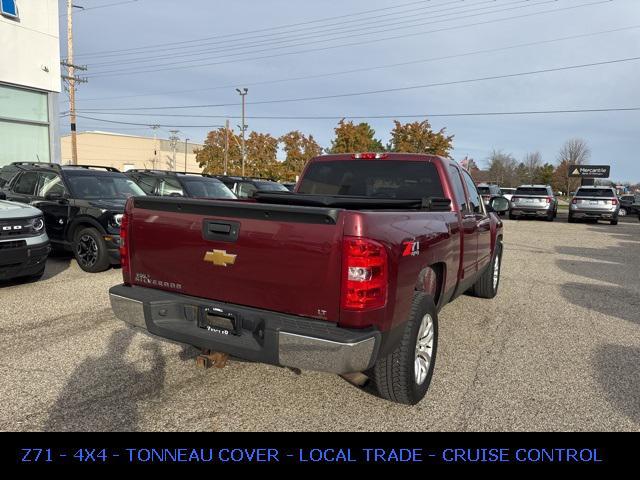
[404,375]
[487,285]
[90,250]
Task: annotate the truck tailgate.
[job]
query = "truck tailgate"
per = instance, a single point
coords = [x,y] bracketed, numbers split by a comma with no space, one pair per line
[274,257]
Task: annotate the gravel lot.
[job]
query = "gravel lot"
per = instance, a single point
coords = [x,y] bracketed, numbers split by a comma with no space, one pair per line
[558,349]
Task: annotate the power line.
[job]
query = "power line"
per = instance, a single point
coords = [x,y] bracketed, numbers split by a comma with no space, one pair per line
[417,115]
[184,42]
[107,5]
[180,64]
[371,92]
[376,67]
[412,18]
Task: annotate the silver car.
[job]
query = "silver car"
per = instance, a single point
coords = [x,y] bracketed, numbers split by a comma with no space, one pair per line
[534,201]
[595,203]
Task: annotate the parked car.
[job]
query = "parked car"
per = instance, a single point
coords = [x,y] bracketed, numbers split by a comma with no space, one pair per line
[24,245]
[534,201]
[629,205]
[346,275]
[507,192]
[82,208]
[176,184]
[246,187]
[488,191]
[595,203]
[290,185]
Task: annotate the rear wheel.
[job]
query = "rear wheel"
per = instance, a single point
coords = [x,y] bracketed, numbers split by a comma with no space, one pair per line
[551,216]
[622,212]
[512,216]
[90,251]
[571,219]
[404,375]
[614,221]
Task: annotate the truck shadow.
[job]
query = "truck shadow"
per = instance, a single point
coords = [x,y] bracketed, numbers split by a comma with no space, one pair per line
[617,371]
[102,394]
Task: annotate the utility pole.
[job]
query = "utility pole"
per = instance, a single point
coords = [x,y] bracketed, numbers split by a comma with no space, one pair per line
[155,144]
[243,127]
[186,140]
[226,145]
[174,144]
[72,79]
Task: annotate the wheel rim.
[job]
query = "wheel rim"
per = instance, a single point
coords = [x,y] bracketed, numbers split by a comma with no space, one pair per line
[496,272]
[87,251]
[622,212]
[424,349]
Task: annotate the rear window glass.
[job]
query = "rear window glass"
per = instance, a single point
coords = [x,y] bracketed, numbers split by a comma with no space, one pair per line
[206,187]
[484,190]
[403,180]
[532,191]
[271,187]
[595,192]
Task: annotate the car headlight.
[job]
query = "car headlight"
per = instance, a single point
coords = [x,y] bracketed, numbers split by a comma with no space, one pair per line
[116,220]
[38,224]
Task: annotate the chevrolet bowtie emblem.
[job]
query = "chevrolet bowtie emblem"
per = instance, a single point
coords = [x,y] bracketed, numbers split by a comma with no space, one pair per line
[220,258]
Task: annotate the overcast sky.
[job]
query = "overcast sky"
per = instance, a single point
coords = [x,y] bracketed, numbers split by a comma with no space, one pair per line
[200,45]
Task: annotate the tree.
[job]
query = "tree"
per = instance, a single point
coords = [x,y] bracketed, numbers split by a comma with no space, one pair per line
[545,174]
[211,156]
[261,161]
[299,149]
[503,169]
[574,152]
[418,137]
[355,138]
[532,163]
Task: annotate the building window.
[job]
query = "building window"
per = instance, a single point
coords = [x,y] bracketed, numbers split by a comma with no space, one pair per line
[26,105]
[9,8]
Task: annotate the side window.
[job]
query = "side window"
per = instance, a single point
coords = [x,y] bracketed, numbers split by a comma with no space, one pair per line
[50,184]
[26,184]
[246,190]
[170,186]
[474,196]
[146,183]
[458,189]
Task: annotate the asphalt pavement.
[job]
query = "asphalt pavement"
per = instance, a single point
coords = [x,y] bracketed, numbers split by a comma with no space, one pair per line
[557,349]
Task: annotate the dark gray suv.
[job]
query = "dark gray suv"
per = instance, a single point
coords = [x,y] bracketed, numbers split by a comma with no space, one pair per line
[534,201]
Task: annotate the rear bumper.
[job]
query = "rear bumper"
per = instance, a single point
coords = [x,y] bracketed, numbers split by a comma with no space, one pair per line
[25,260]
[535,212]
[262,336]
[608,214]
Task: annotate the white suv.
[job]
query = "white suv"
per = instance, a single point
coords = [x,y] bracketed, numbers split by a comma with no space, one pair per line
[596,203]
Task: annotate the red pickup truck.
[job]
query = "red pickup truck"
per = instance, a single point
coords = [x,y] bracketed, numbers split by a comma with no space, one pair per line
[345,274]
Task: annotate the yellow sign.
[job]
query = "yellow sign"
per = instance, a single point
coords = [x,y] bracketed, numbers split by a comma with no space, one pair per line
[220,258]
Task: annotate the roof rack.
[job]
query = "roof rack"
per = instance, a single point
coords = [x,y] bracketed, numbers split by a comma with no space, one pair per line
[167,172]
[87,167]
[240,177]
[25,165]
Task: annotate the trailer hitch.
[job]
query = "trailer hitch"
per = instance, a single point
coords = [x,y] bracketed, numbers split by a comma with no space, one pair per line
[208,359]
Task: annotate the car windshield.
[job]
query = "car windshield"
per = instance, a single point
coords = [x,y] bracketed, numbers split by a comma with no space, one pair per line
[595,192]
[532,191]
[402,180]
[90,187]
[507,190]
[206,188]
[271,187]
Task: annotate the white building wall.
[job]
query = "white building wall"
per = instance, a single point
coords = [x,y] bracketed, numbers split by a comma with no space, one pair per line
[31,46]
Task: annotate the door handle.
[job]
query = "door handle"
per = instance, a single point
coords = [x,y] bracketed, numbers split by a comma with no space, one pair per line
[221,231]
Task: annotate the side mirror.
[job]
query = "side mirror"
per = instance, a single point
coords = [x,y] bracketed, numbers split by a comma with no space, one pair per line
[3,196]
[499,204]
[55,197]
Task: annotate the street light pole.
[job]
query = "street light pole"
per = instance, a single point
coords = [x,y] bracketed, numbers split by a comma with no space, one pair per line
[243,127]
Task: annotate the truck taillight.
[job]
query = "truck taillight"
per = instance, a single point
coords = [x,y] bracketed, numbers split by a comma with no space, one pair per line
[125,257]
[364,274]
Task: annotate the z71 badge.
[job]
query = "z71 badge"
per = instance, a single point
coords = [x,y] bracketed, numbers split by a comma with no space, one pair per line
[411,249]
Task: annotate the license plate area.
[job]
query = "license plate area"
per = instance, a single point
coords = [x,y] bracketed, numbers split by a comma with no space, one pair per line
[216,320]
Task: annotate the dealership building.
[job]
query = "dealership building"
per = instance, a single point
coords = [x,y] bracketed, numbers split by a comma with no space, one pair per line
[29,81]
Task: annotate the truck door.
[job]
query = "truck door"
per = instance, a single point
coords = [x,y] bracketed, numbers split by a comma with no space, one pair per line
[483,223]
[469,242]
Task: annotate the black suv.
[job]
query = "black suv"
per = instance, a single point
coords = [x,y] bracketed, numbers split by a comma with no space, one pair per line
[9,171]
[82,208]
[245,187]
[176,184]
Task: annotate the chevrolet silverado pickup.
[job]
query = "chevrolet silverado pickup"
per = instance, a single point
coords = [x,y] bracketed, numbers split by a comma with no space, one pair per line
[345,274]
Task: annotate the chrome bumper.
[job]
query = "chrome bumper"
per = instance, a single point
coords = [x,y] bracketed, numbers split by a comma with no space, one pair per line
[287,348]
